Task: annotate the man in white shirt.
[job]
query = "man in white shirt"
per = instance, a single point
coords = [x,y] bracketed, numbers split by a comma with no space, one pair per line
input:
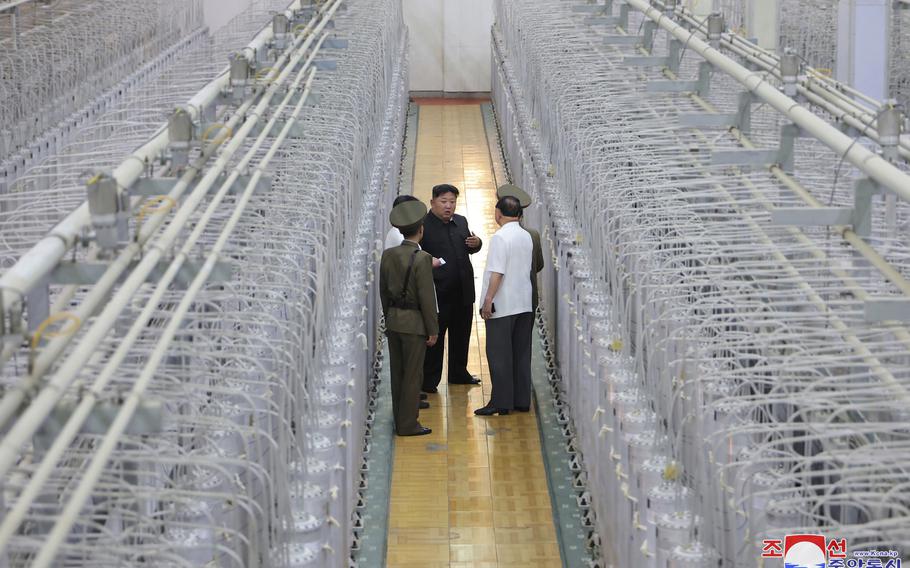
[507,311]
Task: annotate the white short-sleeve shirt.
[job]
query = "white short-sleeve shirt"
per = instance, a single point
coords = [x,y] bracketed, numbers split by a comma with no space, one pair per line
[510,255]
[393,238]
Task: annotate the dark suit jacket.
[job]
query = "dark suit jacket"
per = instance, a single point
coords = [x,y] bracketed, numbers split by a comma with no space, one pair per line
[455,279]
[392,270]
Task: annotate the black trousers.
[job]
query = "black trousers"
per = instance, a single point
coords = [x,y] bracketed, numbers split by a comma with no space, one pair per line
[457,320]
[509,358]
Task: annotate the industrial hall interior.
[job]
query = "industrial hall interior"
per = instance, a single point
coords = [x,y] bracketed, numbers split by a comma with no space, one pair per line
[455,283]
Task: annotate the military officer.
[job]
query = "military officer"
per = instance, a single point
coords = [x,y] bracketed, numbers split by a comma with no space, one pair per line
[509,190]
[409,305]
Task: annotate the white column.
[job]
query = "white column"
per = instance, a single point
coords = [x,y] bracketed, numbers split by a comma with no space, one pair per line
[700,7]
[863,37]
[763,22]
[219,12]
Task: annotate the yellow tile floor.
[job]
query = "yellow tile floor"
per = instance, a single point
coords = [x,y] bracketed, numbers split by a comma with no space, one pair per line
[474,492]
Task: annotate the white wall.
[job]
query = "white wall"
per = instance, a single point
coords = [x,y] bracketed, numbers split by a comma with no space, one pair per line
[424,19]
[450,44]
[220,12]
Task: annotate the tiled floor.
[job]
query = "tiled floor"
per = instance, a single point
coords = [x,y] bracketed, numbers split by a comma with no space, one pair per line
[474,492]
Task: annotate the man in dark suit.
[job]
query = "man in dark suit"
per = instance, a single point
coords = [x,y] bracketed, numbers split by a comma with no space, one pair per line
[409,306]
[447,237]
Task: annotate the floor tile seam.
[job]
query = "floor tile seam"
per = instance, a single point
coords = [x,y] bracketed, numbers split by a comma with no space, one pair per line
[483,359]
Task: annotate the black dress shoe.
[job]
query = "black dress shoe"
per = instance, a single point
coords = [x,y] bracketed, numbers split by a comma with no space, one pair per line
[419,432]
[470,380]
[424,404]
[431,390]
[423,396]
[491,410]
[523,408]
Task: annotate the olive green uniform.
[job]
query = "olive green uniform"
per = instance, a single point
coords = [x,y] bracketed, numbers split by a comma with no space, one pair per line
[410,319]
[536,264]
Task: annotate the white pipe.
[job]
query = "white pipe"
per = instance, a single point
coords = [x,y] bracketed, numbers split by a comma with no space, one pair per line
[12,399]
[12,4]
[835,98]
[42,258]
[73,425]
[874,166]
[118,426]
[45,400]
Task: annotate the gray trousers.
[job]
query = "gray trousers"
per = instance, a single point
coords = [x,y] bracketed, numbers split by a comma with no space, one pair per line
[509,357]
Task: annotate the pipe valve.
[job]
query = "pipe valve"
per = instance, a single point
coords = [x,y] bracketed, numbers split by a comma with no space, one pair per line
[716,27]
[890,124]
[105,204]
[790,70]
[241,69]
[281,27]
[181,131]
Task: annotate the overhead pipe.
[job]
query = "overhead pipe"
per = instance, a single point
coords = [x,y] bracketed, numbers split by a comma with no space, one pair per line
[44,401]
[875,259]
[38,262]
[851,237]
[877,168]
[81,413]
[118,426]
[98,294]
[835,98]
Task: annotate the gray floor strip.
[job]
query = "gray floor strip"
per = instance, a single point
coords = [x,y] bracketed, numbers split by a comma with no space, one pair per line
[373,541]
[568,516]
[409,156]
[375,514]
[500,170]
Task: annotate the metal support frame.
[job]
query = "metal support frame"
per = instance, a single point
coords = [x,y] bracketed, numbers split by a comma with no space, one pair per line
[648,29]
[859,216]
[147,419]
[863,192]
[812,216]
[674,51]
[705,69]
[623,40]
[624,16]
[672,87]
[744,158]
[646,60]
[882,309]
[150,187]
[38,304]
[744,112]
[88,273]
[788,135]
[706,120]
